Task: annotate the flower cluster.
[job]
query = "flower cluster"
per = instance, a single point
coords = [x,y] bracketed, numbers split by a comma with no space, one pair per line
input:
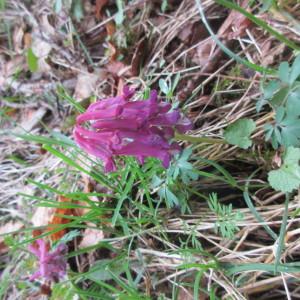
[118,126]
[52,265]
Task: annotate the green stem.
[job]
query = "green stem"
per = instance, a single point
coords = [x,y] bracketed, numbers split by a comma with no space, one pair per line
[198,139]
[280,245]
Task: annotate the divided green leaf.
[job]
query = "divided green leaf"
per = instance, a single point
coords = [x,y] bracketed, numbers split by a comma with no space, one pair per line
[239,133]
[226,218]
[286,130]
[171,199]
[181,167]
[283,96]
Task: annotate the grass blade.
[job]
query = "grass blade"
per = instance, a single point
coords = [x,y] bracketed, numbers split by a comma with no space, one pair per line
[236,268]
[258,216]
[280,245]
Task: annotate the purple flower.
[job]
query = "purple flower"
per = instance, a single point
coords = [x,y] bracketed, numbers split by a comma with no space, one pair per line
[122,127]
[52,265]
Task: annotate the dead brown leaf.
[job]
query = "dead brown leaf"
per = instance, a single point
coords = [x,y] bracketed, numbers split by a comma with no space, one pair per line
[185,33]
[42,216]
[30,118]
[17,38]
[119,69]
[88,188]
[112,49]
[58,219]
[85,86]
[27,40]
[208,54]
[41,49]
[46,26]
[47,216]
[99,5]
[185,294]
[235,24]
[269,54]
[240,24]
[204,52]
[87,83]
[12,66]
[8,69]
[91,237]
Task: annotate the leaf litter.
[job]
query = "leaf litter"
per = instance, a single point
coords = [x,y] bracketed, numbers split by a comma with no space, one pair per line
[95,49]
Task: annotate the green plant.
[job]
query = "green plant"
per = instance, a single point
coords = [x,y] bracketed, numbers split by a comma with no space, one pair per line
[238,133]
[119,17]
[287,177]
[283,96]
[227,220]
[167,86]
[164,5]
[267,4]
[170,184]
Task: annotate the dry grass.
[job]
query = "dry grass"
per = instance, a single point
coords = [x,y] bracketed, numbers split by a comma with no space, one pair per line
[214,91]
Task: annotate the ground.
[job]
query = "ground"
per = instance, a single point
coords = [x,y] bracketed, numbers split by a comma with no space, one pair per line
[222,221]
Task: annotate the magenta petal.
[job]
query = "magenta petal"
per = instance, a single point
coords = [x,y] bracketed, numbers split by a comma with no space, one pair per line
[109,166]
[169,119]
[35,275]
[145,150]
[59,251]
[128,92]
[164,107]
[140,159]
[100,150]
[132,124]
[184,125]
[34,250]
[52,265]
[105,136]
[95,115]
[107,103]
[117,126]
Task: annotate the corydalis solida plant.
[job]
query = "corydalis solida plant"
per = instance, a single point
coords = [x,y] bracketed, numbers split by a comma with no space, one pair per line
[121,127]
[52,265]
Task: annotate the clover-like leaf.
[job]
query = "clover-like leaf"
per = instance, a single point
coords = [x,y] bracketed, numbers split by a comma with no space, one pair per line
[181,167]
[239,132]
[287,177]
